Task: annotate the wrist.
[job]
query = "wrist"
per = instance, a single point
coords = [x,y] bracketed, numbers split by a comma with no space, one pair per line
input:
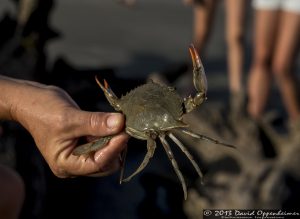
[13,94]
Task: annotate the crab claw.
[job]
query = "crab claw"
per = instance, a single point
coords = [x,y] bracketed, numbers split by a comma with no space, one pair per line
[199,77]
[109,94]
[199,80]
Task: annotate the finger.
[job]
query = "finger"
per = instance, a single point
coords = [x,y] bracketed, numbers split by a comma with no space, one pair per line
[98,123]
[106,155]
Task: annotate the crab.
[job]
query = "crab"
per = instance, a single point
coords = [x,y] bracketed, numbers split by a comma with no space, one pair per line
[154,111]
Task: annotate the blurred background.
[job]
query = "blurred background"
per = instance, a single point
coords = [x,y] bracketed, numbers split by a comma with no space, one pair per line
[67,43]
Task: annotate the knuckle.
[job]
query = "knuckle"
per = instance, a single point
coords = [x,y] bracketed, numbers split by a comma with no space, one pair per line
[96,121]
[60,123]
[57,166]
[64,120]
[59,172]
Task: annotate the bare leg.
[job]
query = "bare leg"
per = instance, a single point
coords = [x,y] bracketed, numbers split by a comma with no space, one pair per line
[286,47]
[203,19]
[260,72]
[203,137]
[187,153]
[174,164]
[235,22]
[151,145]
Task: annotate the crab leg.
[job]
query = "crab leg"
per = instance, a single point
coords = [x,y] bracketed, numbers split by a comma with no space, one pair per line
[203,137]
[199,81]
[123,160]
[92,146]
[187,153]
[151,145]
[174,164]
[110,96]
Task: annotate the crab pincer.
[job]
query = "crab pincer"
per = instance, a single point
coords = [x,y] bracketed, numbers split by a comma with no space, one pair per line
[109,94]
[199,81]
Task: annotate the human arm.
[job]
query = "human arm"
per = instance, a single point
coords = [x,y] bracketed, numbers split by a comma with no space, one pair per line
[56,123]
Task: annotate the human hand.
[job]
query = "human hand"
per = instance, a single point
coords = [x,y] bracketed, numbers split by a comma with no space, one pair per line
[56,123]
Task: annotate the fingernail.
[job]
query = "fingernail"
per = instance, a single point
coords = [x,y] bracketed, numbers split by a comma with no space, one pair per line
[113,121]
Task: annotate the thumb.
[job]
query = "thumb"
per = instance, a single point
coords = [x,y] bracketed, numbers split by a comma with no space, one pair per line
[99,123]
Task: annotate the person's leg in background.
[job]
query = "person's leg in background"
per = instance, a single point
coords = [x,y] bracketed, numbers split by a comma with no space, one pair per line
[283,63]
[235,31]
[260,77]
[204,12]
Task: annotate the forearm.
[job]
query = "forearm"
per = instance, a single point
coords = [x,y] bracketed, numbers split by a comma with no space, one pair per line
[19,98]
[8,90]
